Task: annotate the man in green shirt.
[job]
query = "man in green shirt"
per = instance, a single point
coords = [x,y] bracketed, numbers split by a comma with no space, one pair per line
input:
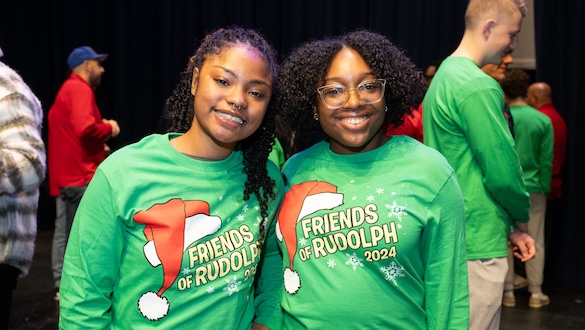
[463,120]
[534,144]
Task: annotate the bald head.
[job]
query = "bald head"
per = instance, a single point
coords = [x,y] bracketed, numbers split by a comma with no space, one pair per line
[538,94]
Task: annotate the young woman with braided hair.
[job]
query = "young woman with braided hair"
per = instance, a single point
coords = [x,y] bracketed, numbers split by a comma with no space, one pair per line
[169,232]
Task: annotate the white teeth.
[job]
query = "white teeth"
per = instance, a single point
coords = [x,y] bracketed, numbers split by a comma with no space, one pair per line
[354,120]
[235,119]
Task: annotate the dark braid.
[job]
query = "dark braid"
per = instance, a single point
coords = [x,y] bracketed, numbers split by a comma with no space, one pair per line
[179,112]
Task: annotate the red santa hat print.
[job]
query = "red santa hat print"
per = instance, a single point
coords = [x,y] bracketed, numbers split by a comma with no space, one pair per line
[301,200]
[170,229]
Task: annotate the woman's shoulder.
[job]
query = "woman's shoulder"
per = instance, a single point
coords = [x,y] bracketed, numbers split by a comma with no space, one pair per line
[417,153]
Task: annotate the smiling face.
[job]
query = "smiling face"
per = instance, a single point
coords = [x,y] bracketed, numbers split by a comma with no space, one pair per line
[232,91]
[355,127]
[503,36]
[498,71]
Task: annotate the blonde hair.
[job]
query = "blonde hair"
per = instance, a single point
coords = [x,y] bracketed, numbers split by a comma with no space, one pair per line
[478,10]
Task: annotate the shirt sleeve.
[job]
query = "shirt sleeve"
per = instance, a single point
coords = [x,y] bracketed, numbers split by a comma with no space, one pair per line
[92,260]
[444,256]
[85,117]
[493,148]
[22,151]
[546,158]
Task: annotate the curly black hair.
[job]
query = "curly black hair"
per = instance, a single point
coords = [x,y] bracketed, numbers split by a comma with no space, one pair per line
[515,84]
[306,67]
[178,113]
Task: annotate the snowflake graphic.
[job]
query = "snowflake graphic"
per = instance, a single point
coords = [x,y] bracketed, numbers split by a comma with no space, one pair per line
[354,261]
[186,271]
[302,241]
[241,218]
[220,198]
[256,207]
[232,286]
[380,191]
[351,181]
[370,198]
[392,272]
[228,219]
[393,193]
[396,211]
[245,208]
[210,290]
[258,221]
[354,198]
[331,263]
[399,226]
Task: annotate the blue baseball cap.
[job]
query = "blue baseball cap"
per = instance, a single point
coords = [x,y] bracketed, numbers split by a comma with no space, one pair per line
[83,53]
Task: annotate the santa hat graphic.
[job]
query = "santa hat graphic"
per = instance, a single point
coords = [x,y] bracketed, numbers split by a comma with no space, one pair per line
[300,201]
[170,229]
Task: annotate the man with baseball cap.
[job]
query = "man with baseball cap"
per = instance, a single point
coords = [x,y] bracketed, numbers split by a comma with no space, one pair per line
[82,54]
[77,136]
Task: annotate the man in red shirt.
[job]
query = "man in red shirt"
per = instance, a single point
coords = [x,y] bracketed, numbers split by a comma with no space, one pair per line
[539,97]
[77,136]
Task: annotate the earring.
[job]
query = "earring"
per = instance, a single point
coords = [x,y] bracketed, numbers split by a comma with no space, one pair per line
[316,116]
[385,108]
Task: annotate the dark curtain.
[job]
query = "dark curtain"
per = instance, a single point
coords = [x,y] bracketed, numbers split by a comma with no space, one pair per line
[560,51]
[150,41]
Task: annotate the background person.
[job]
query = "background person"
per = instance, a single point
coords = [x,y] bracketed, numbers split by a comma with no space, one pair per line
[22,167]
[412,124]
[539,96]
[463,120]
[534,144]
[77,136]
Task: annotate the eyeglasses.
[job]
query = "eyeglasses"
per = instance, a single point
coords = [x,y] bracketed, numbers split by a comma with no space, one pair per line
[369,92]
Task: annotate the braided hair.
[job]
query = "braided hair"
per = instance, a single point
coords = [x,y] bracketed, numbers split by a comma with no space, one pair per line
[306,67]
[178,113]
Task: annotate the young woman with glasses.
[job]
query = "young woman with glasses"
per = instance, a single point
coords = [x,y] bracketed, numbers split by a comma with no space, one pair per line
[372,227]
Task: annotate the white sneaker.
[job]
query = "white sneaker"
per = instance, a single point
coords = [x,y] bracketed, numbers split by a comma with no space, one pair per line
[538,300]
[509,299]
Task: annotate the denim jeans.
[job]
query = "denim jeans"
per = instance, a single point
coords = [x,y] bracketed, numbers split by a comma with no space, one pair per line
[66,206]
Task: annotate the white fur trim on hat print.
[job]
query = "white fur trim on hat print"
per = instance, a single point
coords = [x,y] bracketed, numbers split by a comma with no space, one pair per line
[152,306]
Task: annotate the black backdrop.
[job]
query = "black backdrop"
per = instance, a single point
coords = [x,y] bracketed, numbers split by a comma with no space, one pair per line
[150,41]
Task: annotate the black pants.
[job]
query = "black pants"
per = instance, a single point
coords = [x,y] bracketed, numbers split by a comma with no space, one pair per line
[8,276]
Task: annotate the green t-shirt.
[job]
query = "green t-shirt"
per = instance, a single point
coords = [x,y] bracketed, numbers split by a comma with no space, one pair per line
[534,144]
[373,240]
[164,240]
[463,120]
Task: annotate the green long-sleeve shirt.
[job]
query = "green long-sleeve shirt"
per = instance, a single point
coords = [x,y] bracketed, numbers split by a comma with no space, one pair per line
[463,120]
[373,240]
[534,144]
[162,240]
